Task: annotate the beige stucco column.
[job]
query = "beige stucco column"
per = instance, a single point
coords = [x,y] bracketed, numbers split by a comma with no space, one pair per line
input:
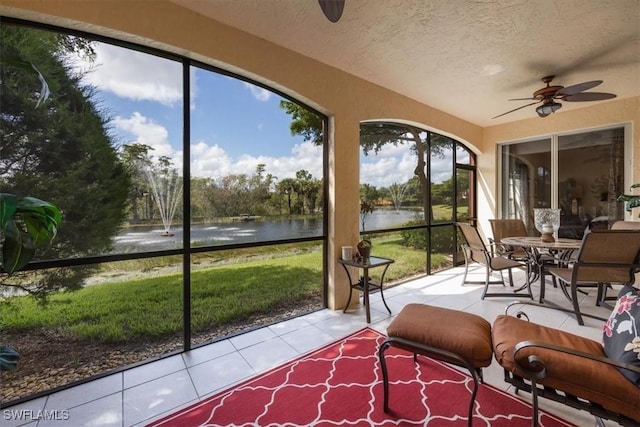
[343,202]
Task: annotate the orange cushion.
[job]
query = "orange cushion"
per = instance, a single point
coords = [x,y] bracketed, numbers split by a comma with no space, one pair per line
[465,334]
[590,380]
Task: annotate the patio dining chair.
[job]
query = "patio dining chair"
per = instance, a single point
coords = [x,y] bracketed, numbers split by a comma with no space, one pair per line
[501,228]
[602,291]
[605,257]
[475,250]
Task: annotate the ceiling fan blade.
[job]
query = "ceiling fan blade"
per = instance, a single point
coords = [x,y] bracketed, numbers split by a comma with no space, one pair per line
[580,87]
[332,9]
[589,96]
[515,109]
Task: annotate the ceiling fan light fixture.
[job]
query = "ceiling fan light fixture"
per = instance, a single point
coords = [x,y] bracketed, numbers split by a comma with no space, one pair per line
[548,108]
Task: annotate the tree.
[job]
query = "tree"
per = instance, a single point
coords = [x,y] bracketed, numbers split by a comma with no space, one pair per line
[61,152]
[369,192]
[307,188]
[201,206]
[288,188]
[303,122]
[135,157]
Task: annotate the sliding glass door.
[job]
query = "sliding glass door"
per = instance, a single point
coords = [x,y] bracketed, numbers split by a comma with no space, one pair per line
[580,173]
[526,179]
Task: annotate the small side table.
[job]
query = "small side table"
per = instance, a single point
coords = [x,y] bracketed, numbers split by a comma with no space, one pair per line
[366,284]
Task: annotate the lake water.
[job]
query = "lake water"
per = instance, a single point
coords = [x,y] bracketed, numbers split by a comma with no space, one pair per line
[150,238]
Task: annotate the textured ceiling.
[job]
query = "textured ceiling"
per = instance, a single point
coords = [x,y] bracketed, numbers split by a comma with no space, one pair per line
[465,57]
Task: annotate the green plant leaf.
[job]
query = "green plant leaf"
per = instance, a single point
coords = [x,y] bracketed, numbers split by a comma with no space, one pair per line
[8,207]
[631,200]
[17,249]
[41,219]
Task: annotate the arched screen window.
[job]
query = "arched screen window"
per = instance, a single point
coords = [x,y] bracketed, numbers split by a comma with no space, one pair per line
[418,182]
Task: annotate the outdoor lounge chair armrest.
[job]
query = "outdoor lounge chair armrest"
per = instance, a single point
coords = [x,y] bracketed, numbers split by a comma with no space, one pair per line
[537,362]
[498,248]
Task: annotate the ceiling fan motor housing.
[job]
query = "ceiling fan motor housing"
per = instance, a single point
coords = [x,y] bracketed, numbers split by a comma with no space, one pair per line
[546,92]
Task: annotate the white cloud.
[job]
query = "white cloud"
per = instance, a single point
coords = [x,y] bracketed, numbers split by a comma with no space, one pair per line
[146,131]
[390,165]
[440,169]
[133,75]
[213,162]
[257,92]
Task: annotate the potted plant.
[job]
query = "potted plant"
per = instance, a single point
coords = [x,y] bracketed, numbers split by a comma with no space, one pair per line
[631,200]
[25,224]
[364,247]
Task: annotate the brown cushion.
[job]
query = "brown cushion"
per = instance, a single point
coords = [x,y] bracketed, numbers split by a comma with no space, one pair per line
[464,334]
[590,380]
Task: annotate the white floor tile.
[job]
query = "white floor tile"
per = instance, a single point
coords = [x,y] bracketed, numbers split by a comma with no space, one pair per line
[290,325]
[153,370]
[307,338]
[106,411]
[219,373]
[84,393]
[207,352]
[155,397]
[23,414]
[251,338]
[268,354]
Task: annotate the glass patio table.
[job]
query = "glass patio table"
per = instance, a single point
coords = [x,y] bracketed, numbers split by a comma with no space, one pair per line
[365,284]
[560,250]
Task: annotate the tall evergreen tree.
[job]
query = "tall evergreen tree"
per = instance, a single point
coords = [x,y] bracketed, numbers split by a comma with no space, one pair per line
[60,151]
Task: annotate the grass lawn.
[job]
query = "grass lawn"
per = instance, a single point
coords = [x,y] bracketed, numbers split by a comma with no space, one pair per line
[126,311]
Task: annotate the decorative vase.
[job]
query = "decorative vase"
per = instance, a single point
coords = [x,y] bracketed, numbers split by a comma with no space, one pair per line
[547,222]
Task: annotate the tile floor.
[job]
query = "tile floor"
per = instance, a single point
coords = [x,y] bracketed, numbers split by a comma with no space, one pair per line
[145,393]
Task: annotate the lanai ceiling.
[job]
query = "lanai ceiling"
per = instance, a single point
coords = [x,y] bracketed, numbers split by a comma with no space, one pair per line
[465,57]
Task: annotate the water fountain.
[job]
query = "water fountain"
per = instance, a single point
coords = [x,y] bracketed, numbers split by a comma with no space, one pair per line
[398,193]
[166,187]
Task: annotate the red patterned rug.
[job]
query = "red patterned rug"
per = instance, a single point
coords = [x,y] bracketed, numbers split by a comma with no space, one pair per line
[341,384]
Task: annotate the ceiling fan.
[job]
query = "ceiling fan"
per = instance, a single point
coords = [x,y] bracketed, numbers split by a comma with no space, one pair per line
[332,9]
[547,95]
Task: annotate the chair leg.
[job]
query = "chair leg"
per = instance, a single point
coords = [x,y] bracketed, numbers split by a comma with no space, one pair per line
[576,305]
[486,283]
[466,267]
[385,377]
[535,422]
[415,348]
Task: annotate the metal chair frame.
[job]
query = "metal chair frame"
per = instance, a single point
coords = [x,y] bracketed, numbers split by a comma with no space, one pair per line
[433,353]
[475,250]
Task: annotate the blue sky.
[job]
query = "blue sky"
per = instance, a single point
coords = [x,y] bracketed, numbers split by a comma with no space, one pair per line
[235,125]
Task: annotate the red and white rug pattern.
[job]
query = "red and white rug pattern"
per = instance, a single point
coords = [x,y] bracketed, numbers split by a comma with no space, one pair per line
[341,384]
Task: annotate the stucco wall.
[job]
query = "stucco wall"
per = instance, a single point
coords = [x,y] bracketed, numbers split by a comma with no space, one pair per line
[347,100]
